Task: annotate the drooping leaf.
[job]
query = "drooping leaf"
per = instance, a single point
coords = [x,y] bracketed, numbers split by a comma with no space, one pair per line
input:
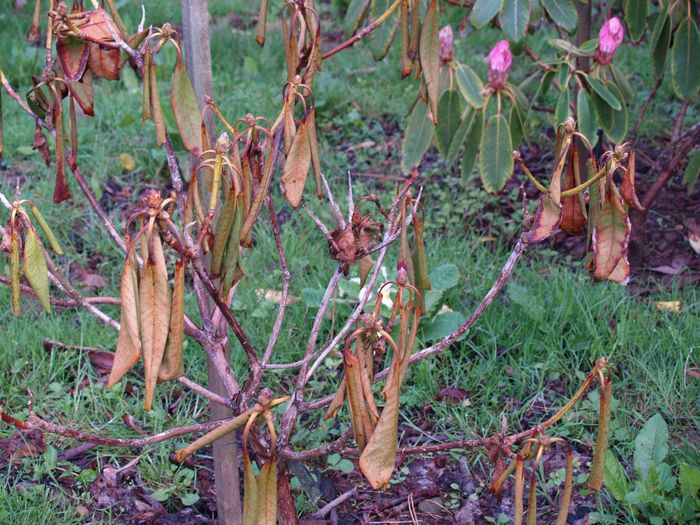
[615,126]
[470,86]
[430,56]
[104,62]
[154,314]
[186,110]
[355,15]
[604,92]
[378,458]
[595,478]
[262,24]
[471,147]
[61,191]
[34,267]
[568,490]
[610,237]
[222,231]
[622,84]
[587,121]
[296,166]
[650,446]
[73,55]
[14,271]
[627,186]
[417,137]
[172,365]
[563,12]
[361,424]
[146,99]
[692,170]
[685,57]
[382,37]
[549,208]
[660,42]
[515,17]
[460,137]
[81,90]
[496,159]
[636,12]
[573,220]
[128,343]
[450,114]
[53,242]
[267,494]
[313,149]
[484,11]
[250,492]
[156,109]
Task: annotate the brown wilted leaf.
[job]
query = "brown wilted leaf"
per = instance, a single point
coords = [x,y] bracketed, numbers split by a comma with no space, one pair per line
[345,248]
[104,62]
[610,239]
[172,365]
[41,145]
[154,314]
[267,494]
[82,91]
[595,478]
[186,110]
[549,207]
[627,186]
[573,220]
[296,167]
[128,345]
[73,55]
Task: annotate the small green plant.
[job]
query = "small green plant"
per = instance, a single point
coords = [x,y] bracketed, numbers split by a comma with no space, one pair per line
[659,493]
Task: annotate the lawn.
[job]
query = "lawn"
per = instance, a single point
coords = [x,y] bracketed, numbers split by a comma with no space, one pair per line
[524,358]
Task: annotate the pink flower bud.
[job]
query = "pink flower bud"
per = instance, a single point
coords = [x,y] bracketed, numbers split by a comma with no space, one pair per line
[447,44]
[500,60]
[609,39]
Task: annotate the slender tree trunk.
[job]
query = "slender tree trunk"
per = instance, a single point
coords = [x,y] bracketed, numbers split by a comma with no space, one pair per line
[195,36]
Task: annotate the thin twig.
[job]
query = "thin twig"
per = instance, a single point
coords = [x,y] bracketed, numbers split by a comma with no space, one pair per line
[320,513]
[195,387]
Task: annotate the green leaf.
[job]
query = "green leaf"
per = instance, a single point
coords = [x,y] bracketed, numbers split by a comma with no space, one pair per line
[562,110]
[689,478]
[587,122]
[470,86]
[161,494]
[471,147]
[444,277]
[604,92]
[430,56]
[615,478]
[442,326]
[356,13]
[563,12]
[685,60]
[515,17]
[660,42]
[417,137]
[35,270]
[636,12]
[616,127]
[496,159]
[189,499]
[690,177]
[650,446]
[484,11]
[381,38]
[459,137]
[567,46]
[450,109]
[186,110]
[622,83]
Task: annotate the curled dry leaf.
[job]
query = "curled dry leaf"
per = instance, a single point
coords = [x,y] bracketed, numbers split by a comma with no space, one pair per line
[610,239]
[154,314]
[128,344]
[573,220]
[296,167]
[34,267]
[41,145]
[627,186]
[267,494]
[172,365]
[154,99]
[82,91]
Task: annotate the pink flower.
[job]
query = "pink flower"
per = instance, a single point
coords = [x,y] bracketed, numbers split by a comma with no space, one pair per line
[609,39]
[447,44]
[500,60]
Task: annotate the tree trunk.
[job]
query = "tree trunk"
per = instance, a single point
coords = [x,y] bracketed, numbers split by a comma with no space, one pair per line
[195,36]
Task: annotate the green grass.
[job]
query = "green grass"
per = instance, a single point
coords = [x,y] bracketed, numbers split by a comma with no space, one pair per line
[548,328]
